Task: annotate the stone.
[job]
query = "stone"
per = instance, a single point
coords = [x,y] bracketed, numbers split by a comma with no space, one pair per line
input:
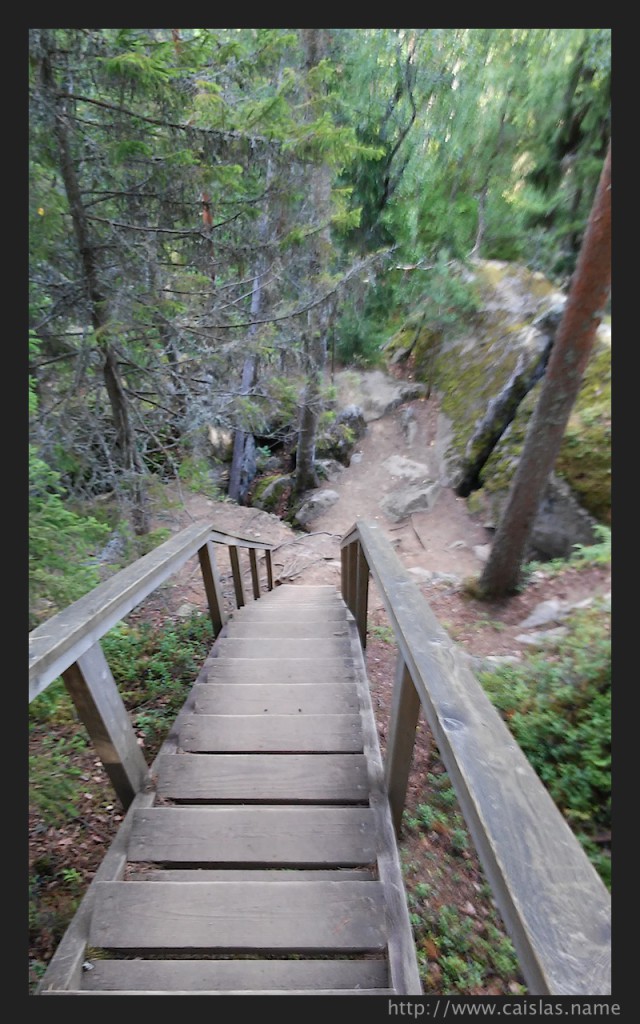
[546,636]
[546,611]
[407,469]
[402,503]
[482,551]
[313,506]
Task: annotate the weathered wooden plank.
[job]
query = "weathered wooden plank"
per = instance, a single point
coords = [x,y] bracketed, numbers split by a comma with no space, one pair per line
[94,692]
[555,906]
[405,707]
[62,639]
[276,671]
[252,875]
[237,992]
[245,975]
[280,648]
[254,835]
[266,611]
[403,966]
[266,778]
[234,558]
[243,542]
[212,586]
[251,916]
[275,698]
[276,629]
[309,594]
[277,734]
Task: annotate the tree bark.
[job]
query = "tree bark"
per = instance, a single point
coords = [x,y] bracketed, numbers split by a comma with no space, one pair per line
[126,441]
[574,342]
[314,42]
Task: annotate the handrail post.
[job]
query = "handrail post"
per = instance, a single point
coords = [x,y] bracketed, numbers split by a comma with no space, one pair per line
[94,692]
[361,593]
[351,570]
[237,576]
[212,586]
[269,564]
[405,707]
[255,578]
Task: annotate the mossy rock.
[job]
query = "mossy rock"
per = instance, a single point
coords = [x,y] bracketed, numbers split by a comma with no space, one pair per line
[269,491]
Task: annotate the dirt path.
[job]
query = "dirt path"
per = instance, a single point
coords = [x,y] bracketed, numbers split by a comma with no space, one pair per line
[442,546]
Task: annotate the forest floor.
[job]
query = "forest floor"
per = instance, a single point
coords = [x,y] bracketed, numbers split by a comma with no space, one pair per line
[449,899]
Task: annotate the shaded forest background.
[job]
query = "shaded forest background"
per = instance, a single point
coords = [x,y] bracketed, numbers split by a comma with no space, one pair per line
[220,217]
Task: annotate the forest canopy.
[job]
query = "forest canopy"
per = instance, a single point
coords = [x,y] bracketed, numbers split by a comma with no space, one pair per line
[216,213]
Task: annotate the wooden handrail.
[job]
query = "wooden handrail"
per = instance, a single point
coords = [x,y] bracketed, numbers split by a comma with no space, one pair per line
[556,908]
[68,644]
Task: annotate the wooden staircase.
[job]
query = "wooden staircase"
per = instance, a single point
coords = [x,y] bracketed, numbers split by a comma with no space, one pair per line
[265,862]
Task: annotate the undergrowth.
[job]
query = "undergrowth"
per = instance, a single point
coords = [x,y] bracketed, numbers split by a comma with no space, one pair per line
[557,705]
[70,794]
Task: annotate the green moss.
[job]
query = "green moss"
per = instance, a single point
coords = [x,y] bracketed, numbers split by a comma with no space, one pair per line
[584,460]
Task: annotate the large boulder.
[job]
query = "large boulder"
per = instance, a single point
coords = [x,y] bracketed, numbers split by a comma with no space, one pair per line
[487,377]
[337,439]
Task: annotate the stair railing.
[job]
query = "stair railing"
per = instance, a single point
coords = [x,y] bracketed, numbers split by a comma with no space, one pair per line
[68,644]
[554,905]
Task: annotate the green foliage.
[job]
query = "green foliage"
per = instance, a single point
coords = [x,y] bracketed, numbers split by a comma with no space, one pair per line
[53,782]
[558,707]
[384,634]
[583,556]
[61,544]
[195,473]
[155,669]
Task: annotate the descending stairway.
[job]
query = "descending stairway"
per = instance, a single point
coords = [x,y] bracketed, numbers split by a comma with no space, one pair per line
[267,861]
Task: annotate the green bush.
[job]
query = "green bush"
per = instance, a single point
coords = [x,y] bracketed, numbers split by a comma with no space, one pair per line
[558,707]
[61,545]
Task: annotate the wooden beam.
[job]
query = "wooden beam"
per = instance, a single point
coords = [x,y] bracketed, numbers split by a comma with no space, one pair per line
[60,641]
[362,594]
[213,589]
[95,695]
[237,575]
[554,904]
[255,578]
[401,737]
[351,557]
[269,563]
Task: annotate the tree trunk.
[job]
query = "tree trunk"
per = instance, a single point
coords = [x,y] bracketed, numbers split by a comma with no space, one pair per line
[126,441]
[315,43]
[243,441]
[587,298]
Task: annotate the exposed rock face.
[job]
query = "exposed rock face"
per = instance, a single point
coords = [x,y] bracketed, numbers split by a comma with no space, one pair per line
[487,380]
[377,394]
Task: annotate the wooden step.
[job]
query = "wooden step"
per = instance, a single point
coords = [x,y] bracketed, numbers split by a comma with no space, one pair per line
[296,734]
[301,917]
[275,698]
[263,610]
[264,778]
[280,670]
[288,630]
[306,836]
[267,648]
[275,875]
[247,975]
